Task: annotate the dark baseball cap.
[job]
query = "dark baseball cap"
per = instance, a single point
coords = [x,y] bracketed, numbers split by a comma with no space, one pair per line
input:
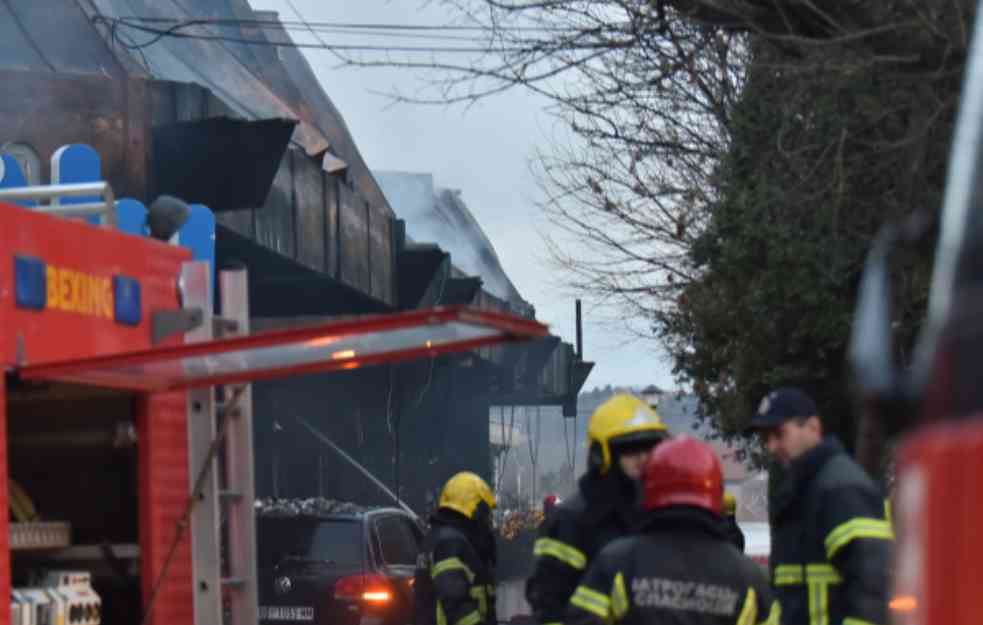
[780,405]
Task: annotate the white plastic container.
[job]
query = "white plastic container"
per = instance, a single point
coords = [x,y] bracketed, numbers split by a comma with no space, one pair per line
[59,606]
[41,605]
[82,605]
[25,610]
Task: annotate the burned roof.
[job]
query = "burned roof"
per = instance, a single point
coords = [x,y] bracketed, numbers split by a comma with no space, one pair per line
[255,81]
[52,36]
[229,70]
[435,214]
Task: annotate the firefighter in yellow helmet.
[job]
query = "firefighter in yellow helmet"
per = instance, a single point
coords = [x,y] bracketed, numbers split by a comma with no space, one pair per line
[621,433]
[729,516]
[455,579]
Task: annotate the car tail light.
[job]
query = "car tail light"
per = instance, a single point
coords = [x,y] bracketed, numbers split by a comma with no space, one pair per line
[367,589]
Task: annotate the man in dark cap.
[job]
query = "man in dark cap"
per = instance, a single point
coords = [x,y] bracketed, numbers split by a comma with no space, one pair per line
[831,539]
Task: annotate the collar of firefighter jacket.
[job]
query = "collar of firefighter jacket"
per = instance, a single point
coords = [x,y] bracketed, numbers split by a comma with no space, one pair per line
[452,518]
[684,519]
[481,539]
[801,472]
[610,494]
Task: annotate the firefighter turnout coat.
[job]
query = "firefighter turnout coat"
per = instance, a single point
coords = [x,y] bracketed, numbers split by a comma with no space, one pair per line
[574,532]
[681,569]
[455,582]
[831,542]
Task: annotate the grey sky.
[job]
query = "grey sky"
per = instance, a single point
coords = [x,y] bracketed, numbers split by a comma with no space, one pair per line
[484,151]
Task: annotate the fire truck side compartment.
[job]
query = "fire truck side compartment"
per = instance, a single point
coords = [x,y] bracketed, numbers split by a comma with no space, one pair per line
[84,479]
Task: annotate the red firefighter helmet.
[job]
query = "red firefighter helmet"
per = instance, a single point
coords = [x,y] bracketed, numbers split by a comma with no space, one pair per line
[549,502]
[683,471]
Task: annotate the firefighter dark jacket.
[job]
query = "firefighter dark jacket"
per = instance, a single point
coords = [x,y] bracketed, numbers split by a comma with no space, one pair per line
[575,531]
[733,532]
[831,542]
[455,580]
[681,569]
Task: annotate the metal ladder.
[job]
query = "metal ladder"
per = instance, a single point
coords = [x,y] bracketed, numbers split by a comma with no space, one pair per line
[220,435]
[105,209]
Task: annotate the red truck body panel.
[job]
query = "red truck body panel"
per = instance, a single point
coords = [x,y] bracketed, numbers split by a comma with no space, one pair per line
[937,514]
[77,321]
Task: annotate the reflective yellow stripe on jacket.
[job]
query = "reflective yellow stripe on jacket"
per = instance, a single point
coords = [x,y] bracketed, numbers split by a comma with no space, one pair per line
[451,564]
[749,613]
[483,595]
[853,529]
[619,597]
[478,593]
[611,608]
[592,601]
[818,577]
[563,552]
[789,575]
[775,615]
[471,618]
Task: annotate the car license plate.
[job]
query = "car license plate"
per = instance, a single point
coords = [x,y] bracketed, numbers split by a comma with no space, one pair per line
[286,613]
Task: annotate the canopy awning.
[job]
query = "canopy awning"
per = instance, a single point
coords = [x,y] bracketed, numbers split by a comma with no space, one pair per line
[325,347]
[223,163]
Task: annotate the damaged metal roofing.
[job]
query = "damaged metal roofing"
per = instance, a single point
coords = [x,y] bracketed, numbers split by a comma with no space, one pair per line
[435,214]
[52,36]
[266,82]
[255,81]
[232,71]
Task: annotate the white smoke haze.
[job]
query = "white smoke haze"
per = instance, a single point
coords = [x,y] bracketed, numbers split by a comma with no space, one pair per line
[436,215]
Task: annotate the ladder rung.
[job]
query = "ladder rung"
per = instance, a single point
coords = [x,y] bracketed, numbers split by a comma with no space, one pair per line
[222,406]
[230,495]
[233,582]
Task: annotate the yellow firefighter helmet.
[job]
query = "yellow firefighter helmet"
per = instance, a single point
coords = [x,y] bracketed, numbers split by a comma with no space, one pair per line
[621,420]
[730,504]
[465,492]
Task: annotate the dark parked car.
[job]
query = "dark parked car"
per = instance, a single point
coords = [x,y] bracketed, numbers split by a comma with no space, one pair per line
[349,568]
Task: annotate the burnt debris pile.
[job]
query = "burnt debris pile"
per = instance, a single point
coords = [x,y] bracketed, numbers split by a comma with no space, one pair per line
[310,506]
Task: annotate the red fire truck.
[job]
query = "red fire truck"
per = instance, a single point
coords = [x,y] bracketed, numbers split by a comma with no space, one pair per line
[125,414]
[935,405]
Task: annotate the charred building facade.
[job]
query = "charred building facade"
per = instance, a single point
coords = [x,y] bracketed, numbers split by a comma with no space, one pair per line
[248,131]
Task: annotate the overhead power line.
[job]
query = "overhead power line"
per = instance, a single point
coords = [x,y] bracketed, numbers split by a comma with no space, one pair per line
[176,33]
[177,28]
[306,25]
